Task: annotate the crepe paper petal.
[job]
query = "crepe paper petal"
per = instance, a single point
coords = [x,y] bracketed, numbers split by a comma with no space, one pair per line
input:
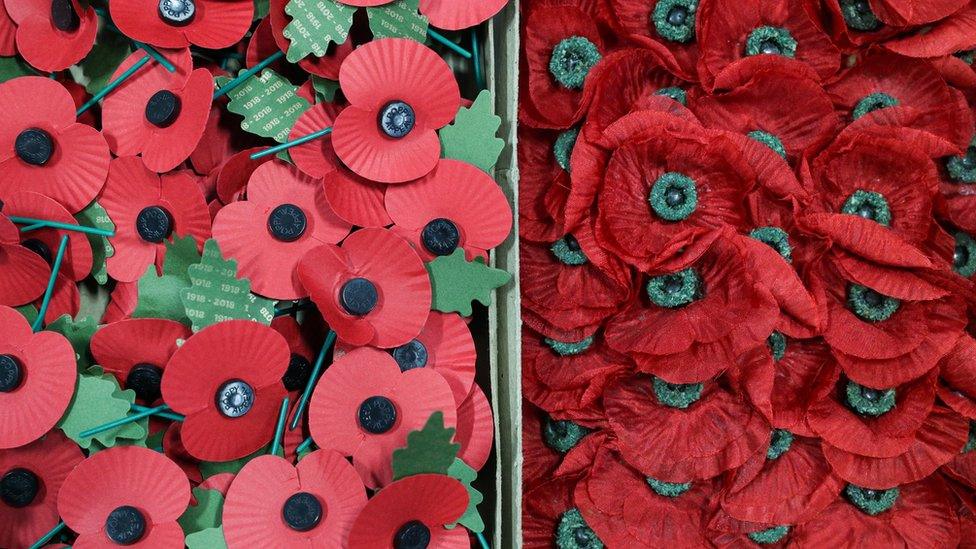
[957,386]
[372,77]
[286,215]
[8,34]
[431,500]
[132,194]
[454,16]
[901,12]
[143,345]
[214,24]
[232,351]
[946,37]
[379,260]
[75,171]
[23,275]
[47,365]
[48,460]
[353,381]
[125,476]
[458,198]
[45,45]
[475,429]
[77,263]
[255,510]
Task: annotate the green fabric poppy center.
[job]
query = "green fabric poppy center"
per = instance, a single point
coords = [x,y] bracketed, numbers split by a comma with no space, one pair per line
[677,395]
[871,501]
[870,305]
[873,102]
[962,168]
[674,92]
[673,196]
[776,238]
[858,15]
[571,61]
[675,289]
[562,435]
[769,140]
[867,401]
[674,20]
[769,535]
[964,255]
[869,205]
[971,441]
[572,532]
[779,443]
[777,345]
[768,40]
[668,489]
[567,250]
[569,348]
[562,149]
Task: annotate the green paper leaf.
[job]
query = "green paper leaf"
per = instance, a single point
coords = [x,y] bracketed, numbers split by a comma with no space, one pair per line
[159,296]
[106,56]
[211,468]
[325,89]
[156,439]
[428,450]
[96,216]
[181,253]
[315,23]
[398,19]
[97,401]
[14,67]
[261,8]
[456,282]
[269,104]
[211,538]
[79,334]
[471,519]
[122,439]
[216,294]
[205,514]
[472,135]
[29,312]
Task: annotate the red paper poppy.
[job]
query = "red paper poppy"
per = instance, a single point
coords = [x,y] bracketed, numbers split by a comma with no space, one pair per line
[39,468]
[159,114]
[173,449]
[373,290]
[234,174]
[303,353]
[450,15]
[221,140]
[23,273]
[77,261]
[171,24]
[543,184]
[126,495]
[545,507]
[38,380]
[668,31]
[312,504]
[122,302]
[226,379]
[8,33]
[220,482]
[52,37]
[417,506]
[326,66]
[65,300]
[400,92]
[364,407]
[285,215]
[475,429]
[782,28]
[147,209]
[454,206]
[136,351]
[355,199]
[57,157]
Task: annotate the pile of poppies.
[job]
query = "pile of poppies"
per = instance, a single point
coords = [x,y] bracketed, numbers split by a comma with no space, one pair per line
[239,245]
[747,257]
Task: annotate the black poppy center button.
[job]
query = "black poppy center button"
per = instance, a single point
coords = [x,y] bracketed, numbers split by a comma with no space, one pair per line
[154,224]
[441,236]
[163,108]
[34,146]
[412,535]
[397,119]
[302,512]
[411,355]
[377,415]
[11,374]
[145,380]
[125,525]
[677,15]
[19,487]
[63,16]
[358,296]
[299,370]
[177,12]
[287,223]
[39,248]
[235,398]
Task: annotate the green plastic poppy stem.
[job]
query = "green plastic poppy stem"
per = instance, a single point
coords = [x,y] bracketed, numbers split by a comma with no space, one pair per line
[48,536]
[119,422]
[293,308]
[482,540]
[39,321]
[163,414]
[279,427]
[244,75]
[289,144]
[35,224]
[443,40]
[113,84]
[305,445]
[156,55]
[479,78]
[312,379]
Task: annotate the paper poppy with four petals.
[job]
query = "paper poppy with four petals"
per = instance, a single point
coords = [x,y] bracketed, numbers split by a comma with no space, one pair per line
[23,273]
[52,36]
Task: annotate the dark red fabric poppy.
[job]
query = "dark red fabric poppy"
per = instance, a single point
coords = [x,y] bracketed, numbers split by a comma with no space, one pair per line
[543,186]
[226,380]
[257,503]
[945,37]
[957,381]
[45,365]
[125,476]
[23,273]
[136,352]
[286,214]
[147,209]
[400,92]
[77,261]
[675,45]
[159,114]
[73,169]
[47,462]
[431,500]
[542,509]
[53,40]
[387,288]
[913,12]
[360,387]
[211,24]
[803,363]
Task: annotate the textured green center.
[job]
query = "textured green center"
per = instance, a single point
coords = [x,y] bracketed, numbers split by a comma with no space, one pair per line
[769,535]
[967,56]
[562,435]
[777,345]
[867,401]
[858,15]
[869,205]
[776,238]
[567,250]
[562,149]
[870,305]
[962,168]
[873,102]
[569,348]
[779,443]
[971,441]
[674,92]
[571,61]
[769,140]
[677,395]
[674,20]
[673,196]
[572,532]
[668,489]
[768,40]
[871,501]
[675,289]
[964,255]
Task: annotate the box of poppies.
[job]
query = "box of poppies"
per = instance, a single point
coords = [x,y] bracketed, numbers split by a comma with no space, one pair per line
[248,276]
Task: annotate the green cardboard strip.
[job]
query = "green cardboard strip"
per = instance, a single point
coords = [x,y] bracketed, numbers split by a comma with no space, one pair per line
[398,19]
[472,135]
[471,519]
[96,216]
[428,450]
[314,24]
[211,538]
[79,334]
[269,104]
[205,514]
[159,296]
[97,401]
[456,282]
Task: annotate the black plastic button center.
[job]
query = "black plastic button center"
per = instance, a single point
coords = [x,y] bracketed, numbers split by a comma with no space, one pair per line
[397,119]
[11,374]
[145,379]
[34,146]
[411,355]
[302,512]
[440,236]
[358,296]
[39,248]
[412,535]
[125,525]
[287,223]
[154,224]
[63,16]
[19,487]
[177,12]
[163,108]
[377,415]
[299,370]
